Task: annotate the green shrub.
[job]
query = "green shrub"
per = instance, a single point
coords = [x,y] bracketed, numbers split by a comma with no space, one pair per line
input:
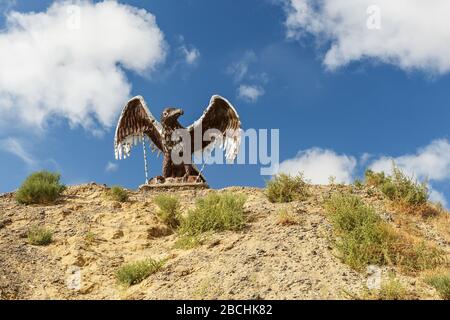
[285,188]
[441,282]
[39,236]
[364,238]
[40,188]
[169,210]
[398,187]
[117,193]
[188,242]
[136,272]
[215,212]
[393,289]
[358,184]
[374,179]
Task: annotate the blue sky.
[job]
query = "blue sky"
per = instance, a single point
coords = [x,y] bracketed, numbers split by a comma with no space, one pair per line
[374,105]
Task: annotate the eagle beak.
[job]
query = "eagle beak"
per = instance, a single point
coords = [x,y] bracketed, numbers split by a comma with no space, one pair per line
[178,112]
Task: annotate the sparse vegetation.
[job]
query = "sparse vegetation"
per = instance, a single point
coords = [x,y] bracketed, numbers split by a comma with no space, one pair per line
[117,193]
[332,180]
[358,184]
[440,280]
[39,236]
[90,237]
[40,188]
[169,210]
[364,238]
[391,289]
[285,188]
[287,218]
[374,179]
[215,212]
[406,194]
[188,242]
[413,256]
[136,272]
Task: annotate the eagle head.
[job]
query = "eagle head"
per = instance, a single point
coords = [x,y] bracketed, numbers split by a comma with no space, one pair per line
[171,115]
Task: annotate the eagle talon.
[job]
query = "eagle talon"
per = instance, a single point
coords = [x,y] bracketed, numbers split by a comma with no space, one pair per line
[158,180]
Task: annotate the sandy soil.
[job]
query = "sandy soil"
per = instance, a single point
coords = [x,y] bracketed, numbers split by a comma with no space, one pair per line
[264,261]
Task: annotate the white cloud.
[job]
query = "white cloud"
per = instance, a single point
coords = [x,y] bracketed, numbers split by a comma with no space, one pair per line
[69,61]
[431,162]
[239,69]
[250,93]
[438,197]
[412,34]
[319,164]
[111,167]
[15,147]
[191,56]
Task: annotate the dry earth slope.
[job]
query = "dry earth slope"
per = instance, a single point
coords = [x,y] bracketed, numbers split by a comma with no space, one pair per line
[93,237]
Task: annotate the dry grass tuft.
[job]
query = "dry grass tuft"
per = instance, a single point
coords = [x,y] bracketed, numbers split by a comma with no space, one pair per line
[287,218]
[285,188]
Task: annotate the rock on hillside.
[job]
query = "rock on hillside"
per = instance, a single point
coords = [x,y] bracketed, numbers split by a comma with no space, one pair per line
[93,237]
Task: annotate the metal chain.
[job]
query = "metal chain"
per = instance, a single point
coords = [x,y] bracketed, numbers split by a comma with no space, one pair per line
[145,158]
[203,166]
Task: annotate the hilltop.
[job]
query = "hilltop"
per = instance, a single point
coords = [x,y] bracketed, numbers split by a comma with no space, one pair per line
[268,259]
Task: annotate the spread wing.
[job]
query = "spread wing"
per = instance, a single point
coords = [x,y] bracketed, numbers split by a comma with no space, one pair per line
[221,116]
[135,122]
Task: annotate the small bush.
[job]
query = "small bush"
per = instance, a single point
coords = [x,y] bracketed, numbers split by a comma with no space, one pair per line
[215,212]
[39,236]
[169,210]
[441,282]
[40,188]
[136,272]
[285,188]
[188,242]
[374,179]
[399,187]
[364,238]
[358,184]
[393,289]
[412,256]
[286,218]
[117,193]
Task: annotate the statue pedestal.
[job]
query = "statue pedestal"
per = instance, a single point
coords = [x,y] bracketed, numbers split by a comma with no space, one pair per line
[174,183]
[178,186]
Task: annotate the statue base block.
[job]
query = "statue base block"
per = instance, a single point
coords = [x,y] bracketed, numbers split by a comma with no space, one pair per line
[159,183]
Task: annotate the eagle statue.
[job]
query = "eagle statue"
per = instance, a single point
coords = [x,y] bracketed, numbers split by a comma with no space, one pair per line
[137,123]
